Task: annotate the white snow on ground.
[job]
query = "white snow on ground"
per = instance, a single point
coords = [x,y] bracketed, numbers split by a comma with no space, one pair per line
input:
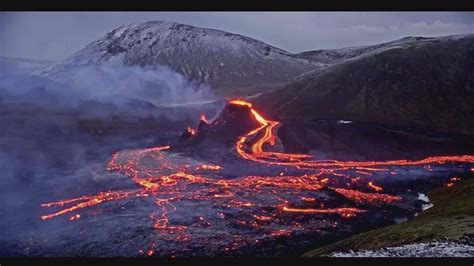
[427,201]
[423,197]
[156,38]
[432,249]
[205,56]
[344,122]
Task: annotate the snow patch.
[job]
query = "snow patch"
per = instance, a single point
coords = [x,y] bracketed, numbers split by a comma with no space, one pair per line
[427,201]
[432,249]
[344,121]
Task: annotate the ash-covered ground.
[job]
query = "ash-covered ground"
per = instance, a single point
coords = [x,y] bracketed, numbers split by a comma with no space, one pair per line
[236,185]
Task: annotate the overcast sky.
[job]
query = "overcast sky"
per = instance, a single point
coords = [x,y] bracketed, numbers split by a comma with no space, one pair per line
[56,35]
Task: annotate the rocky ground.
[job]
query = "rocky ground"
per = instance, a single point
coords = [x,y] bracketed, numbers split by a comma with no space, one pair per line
[459,248]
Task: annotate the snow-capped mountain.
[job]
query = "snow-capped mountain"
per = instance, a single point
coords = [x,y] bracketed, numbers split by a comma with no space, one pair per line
[397,84]
[227,62]
[333,56]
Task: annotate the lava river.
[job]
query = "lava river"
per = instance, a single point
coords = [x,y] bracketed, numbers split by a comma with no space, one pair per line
[195,203]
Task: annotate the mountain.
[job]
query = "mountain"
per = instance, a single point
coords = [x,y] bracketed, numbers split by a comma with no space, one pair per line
[332,56]
[229,63]
[426,83]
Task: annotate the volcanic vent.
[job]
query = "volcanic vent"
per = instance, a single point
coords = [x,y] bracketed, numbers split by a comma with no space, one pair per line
[236,119]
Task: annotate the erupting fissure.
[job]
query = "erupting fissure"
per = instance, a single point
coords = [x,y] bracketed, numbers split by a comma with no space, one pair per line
[264,199]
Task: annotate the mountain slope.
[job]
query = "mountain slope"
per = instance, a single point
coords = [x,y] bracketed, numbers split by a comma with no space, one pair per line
[227,62]
[332,56]
[426,83]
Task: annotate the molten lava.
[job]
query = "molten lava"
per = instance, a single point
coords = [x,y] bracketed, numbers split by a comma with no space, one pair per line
[374,187]
[191,131]
[203,118]
[264,201]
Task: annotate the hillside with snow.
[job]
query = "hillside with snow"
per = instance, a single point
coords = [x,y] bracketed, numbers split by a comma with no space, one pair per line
[229,63]
[400,84]
[333,56]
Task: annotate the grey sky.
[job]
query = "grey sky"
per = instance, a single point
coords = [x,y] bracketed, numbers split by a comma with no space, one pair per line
[56,35]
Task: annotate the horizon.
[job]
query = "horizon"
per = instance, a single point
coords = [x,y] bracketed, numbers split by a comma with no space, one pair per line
[441,36]
[294,32]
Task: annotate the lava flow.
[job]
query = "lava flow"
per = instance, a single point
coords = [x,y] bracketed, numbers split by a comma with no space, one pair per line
[266,206]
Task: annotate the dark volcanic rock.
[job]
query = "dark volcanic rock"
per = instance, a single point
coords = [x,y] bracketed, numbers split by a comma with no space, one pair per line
[233,121]
[366,141]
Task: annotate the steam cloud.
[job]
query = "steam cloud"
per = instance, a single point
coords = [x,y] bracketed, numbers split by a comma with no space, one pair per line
[39,116]
[157,84]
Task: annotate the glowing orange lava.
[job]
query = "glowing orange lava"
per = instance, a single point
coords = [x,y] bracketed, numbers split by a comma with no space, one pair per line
[342,211]
[191,131]
[209,167]
[262,199]
[374,187]
[203,118]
